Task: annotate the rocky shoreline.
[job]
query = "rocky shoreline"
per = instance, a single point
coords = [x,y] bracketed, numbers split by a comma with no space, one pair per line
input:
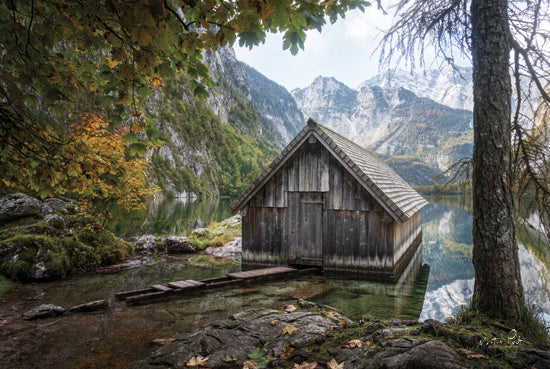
[319,337]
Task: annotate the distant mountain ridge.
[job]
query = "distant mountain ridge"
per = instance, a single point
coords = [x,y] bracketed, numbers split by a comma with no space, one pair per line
[391,120]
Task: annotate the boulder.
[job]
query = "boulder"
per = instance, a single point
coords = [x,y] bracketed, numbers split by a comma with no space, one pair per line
[178,245]
[18,205]
[231,250]
[90,306]
[145,243]
[43,311]
[55,221]
[51,205]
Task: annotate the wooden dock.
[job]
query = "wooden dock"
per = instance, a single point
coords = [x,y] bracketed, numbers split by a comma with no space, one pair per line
[161,291]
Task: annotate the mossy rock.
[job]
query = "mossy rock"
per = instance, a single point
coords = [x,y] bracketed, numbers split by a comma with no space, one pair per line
[40,252]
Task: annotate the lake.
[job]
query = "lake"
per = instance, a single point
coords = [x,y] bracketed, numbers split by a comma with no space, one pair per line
[437,292]
[438,280]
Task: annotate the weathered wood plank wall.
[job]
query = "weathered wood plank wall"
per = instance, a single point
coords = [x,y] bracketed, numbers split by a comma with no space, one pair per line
[313,209]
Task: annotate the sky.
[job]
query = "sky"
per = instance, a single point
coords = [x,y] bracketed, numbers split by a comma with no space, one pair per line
[343,50]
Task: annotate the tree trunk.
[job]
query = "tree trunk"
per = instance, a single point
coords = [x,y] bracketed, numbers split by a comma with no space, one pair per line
[498,292]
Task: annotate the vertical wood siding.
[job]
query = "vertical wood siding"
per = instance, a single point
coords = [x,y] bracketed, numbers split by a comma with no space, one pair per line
[313,212]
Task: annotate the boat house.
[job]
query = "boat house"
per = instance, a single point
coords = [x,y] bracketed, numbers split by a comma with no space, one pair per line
[326,201]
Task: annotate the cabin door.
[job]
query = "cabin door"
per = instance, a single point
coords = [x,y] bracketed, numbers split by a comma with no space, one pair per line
[306,228]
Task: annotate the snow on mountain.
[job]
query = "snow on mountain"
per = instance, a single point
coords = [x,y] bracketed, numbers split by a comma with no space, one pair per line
[447,86]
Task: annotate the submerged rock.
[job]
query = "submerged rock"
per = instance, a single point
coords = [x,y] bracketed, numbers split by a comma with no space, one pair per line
[18,205]
[43,311]
[90,306]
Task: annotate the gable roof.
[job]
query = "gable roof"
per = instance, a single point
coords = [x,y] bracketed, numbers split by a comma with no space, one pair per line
[395,195]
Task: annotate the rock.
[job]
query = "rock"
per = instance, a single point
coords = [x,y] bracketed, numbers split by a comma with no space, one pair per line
[51,205]
[431,326]
[178,245]
[55,221]
[535,358]
[145,243]
[200,232]
[43,311]
[41,271]
[231,250]
[403,353]
[90,306]
[18,205]
[239,336]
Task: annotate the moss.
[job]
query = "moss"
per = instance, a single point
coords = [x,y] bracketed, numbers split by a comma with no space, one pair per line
[39,252]
[6,285]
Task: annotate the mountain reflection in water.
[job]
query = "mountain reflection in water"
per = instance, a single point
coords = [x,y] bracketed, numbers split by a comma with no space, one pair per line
[422,292]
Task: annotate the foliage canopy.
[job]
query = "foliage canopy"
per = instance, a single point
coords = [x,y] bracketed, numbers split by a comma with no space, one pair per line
[63,58]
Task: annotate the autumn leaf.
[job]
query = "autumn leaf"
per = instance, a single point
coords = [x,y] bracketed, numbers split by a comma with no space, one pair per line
[477,356]
[333,364]
[464,351]
[164,341]
[369,343]
[290,308]
[249,364]
[305,365]
[289,329]
[332,314]
[286,353]
[197,361]
[275,322]
[353,344]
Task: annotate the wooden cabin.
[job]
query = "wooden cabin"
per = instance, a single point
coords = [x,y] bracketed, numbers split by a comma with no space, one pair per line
[325,201]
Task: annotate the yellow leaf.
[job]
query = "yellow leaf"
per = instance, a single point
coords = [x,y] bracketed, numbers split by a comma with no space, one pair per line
[305,365]
[275,322]
[332,314]
[333,364]
[290,308]
[197,361]
[289,329]
[353,344]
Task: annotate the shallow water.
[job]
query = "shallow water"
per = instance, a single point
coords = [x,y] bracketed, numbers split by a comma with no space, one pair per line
[122,335]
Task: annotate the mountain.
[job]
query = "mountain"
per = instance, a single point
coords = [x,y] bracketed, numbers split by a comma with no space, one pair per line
[220,145]
[275,104]
[448,86]
[427,136]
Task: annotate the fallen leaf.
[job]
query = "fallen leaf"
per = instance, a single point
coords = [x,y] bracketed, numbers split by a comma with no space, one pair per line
[477,356]
[333,364]
[288,350]
[305,365]
[353,344]
[197,361]
[164,341]
[249,364]
[289,329]
[464,351]
[332,314]
[369,343]
[275,322]
[342,322]
[290,308]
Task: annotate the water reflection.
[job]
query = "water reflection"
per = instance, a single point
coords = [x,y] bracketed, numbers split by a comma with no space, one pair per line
[166,217]
[447,247]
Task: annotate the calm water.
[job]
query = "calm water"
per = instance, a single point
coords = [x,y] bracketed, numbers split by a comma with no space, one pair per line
[422,292]
[437,281]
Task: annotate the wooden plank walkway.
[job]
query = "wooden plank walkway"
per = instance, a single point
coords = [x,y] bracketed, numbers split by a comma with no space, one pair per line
[161,291]
[262,272]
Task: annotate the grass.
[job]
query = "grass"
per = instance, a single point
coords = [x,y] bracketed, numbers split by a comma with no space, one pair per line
[6,285]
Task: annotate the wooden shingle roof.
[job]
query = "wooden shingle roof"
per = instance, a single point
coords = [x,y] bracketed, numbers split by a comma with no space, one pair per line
[395,195]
